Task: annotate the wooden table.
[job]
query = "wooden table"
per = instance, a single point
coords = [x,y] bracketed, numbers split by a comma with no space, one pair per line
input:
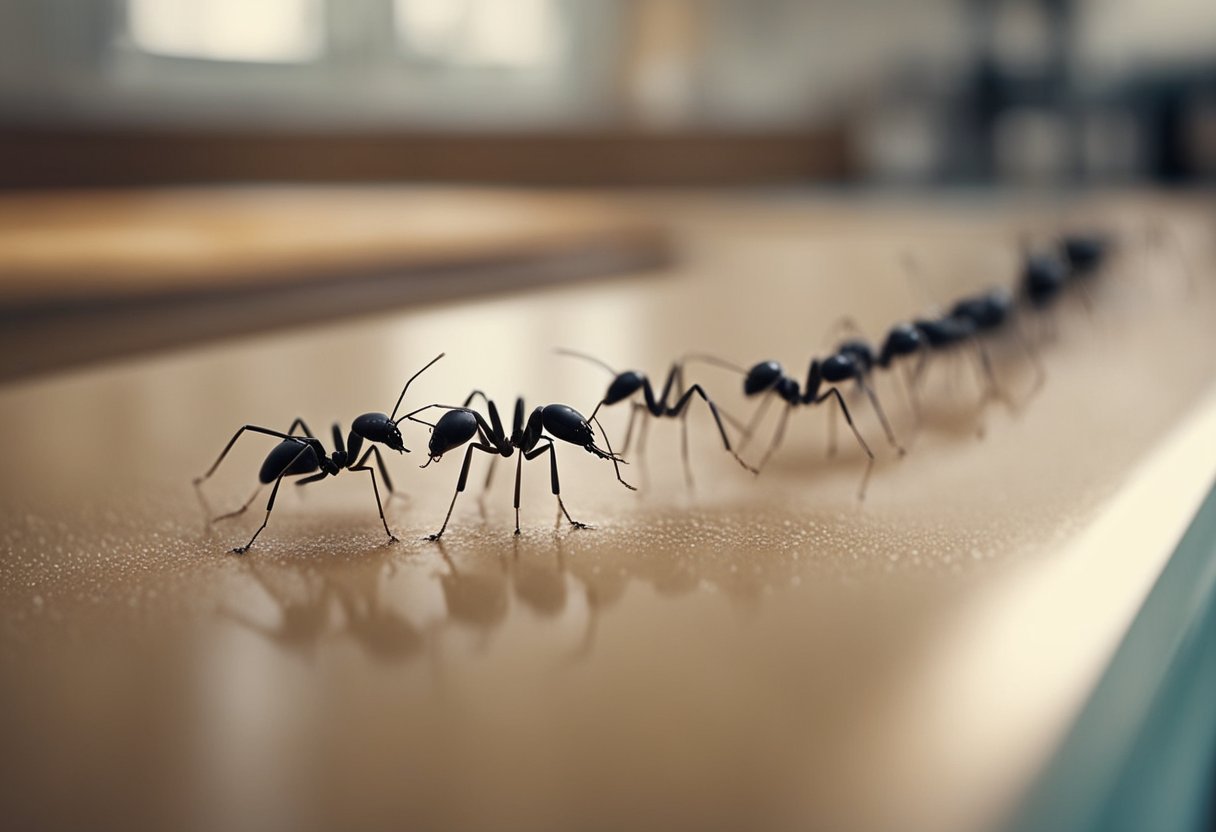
[91,275]
[755,653]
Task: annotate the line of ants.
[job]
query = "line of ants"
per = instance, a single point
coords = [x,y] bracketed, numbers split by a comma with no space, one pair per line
[1045,276]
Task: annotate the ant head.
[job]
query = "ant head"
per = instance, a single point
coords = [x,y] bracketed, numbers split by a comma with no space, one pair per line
[453,429]
[567,424]
[377,427]
[623,386]
[762,377]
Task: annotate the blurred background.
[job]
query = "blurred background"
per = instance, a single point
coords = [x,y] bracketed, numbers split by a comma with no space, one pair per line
[120,92]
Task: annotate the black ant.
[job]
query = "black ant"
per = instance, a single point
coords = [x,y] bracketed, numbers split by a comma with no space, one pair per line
[901,340]
[768,379]
[1085,253]
[950,331]
[298,455]
[994,311]
[962,326]
[625,385]
[1044,275]
[855,360]
[461,425]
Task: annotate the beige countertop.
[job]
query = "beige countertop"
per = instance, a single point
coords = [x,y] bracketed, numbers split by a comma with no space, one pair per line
[757,653]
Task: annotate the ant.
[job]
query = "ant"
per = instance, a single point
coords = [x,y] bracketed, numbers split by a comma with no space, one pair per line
[993,311]
[768,379]
[299,455]
[901,340]
[963,325]
[461,425]
[855,360]
[625,385]
[1085,253]
[945,333]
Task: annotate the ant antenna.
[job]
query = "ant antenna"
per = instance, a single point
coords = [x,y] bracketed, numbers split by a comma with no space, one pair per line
[705,358]
[585,357]
[407,387]
[918,281]
[1166,235]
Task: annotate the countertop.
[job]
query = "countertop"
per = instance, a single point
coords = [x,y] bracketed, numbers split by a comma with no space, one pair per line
[755,652]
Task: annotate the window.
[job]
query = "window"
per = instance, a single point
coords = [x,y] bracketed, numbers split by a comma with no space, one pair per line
[512,34]
[256,31]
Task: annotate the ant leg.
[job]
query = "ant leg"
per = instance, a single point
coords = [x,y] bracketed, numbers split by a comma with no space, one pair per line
[778,435]
[992,388]
[242,509]
[615,462]
[643,434]
[460,484]
[681,408]
[554,481]
[490,474]
[832,433]
[882,417]
[519,467]
[754,422]
[392,538]
[843,324]
[1167,236]
[848,417]
[232,441]
[299,423]
[910,391]
[634,407]
[240,550]
[731,420]
[1086,297]
[469,398]
[388,481]
[684,450]
[485,488]
[1036,361]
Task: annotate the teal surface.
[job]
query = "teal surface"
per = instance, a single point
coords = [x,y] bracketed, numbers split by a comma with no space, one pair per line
[1142,755]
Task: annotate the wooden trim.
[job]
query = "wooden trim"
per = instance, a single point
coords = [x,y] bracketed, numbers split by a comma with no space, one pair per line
[64,157]
[36,338]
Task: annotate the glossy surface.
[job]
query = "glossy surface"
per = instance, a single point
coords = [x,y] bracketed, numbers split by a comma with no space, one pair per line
[760,653]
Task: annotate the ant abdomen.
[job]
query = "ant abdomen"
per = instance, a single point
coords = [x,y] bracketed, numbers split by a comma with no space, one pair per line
[288,458]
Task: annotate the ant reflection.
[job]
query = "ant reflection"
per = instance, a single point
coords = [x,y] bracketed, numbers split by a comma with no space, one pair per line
[479,591]
[352,599]
[303,605]
[382,631]
[305,600]
[475,597]
[603,586]
[539,584]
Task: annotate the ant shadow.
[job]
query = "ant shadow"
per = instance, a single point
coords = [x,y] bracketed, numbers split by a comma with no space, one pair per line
[318,603]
